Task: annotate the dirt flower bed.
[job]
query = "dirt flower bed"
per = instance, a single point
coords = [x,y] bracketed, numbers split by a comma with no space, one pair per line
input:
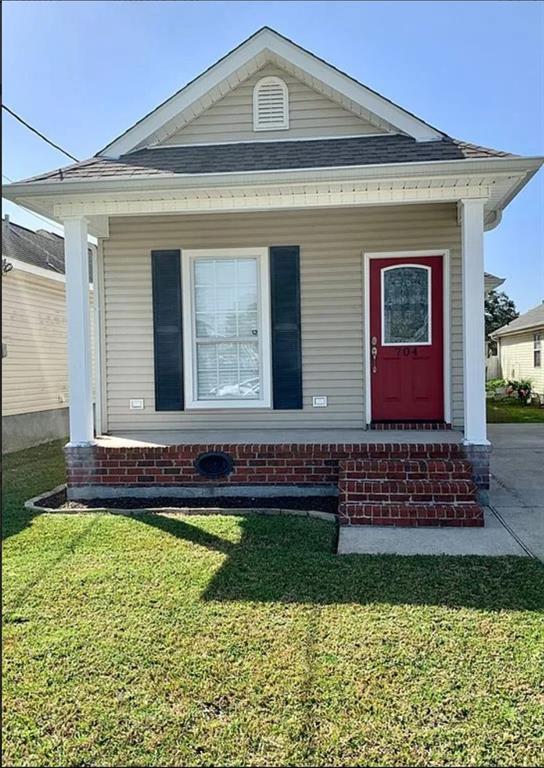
[304,503]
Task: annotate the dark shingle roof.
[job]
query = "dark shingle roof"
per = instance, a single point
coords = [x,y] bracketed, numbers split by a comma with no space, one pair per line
[531,319]
[42,249]
[269,156]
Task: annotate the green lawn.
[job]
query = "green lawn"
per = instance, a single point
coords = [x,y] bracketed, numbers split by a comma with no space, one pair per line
[511,412]
[162,641]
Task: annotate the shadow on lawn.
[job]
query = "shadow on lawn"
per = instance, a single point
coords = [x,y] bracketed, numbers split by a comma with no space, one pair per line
[25,474]
[292,560]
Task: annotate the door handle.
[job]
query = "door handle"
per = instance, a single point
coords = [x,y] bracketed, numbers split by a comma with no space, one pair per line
[374,353]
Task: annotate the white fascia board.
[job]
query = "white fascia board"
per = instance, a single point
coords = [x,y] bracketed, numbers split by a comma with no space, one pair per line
[430,168]
[50,198]
[263,42]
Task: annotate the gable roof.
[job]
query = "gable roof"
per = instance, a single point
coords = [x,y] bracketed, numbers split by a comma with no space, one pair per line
[41,249]
[268,156]
[534,318]
[267,45]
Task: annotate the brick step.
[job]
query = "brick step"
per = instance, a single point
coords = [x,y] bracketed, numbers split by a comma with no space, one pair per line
[438,491]
[405,469]
[411,514]
[403,451]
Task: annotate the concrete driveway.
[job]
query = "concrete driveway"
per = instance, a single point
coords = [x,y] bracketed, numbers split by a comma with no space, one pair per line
[517,482]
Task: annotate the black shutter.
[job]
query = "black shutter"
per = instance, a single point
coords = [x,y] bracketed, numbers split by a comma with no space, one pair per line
[286,344]
[167,329]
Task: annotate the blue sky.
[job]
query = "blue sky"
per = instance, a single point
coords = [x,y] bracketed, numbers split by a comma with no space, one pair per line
[82,72]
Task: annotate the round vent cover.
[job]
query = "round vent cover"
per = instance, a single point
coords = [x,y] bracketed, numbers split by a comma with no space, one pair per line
[214,464]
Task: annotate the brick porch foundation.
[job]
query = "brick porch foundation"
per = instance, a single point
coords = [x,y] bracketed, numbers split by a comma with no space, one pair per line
[379,483]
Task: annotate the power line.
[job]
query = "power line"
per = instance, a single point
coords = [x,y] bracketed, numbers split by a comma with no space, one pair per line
[7,178]
[30,128]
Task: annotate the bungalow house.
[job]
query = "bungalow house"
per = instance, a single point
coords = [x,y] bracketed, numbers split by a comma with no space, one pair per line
[34,359]
[290,283]
[519,348]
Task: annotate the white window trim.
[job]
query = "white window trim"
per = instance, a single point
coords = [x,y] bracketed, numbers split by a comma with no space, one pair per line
[284,125]
[446,324]
[429,341]
[189,346]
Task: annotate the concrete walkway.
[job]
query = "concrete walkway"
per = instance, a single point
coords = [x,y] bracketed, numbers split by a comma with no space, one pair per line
[514,522]
[517,482]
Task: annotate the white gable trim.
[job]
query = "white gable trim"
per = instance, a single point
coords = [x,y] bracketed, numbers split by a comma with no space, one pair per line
[247,58]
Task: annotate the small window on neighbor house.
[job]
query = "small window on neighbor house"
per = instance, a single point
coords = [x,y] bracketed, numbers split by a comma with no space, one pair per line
[537,344]
[270,105]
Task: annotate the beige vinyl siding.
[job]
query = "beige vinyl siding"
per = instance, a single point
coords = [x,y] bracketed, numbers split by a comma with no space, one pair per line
[310,115]
[331,245]
[34,373]
[516,354]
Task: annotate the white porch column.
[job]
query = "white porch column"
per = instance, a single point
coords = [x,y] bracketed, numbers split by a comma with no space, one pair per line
[78,326]
[472,233]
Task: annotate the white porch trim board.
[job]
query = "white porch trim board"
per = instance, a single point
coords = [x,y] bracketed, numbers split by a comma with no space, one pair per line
[472,238]
[78,327]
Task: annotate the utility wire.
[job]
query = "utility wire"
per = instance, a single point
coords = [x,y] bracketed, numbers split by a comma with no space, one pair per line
[30,128]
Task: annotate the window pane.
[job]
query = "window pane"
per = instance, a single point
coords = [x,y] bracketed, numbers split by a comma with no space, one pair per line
[227,323]
[405,305]
[228,371]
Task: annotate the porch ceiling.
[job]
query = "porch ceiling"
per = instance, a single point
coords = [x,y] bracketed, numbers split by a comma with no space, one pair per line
[151,438]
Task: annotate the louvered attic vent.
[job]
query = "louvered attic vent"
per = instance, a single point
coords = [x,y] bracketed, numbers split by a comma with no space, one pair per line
[270,105]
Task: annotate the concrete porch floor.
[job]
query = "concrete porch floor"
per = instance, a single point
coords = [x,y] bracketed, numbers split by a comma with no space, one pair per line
[151,438]
[514,521]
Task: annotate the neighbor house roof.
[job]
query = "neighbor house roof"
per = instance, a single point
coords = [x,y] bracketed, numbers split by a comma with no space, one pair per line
[41,249]
[491,282]
[534,318]
[268,156]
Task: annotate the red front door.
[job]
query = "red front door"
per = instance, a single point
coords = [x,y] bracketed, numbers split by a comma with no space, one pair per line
[406,339]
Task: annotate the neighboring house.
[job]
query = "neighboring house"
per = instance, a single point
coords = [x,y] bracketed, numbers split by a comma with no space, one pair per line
[491,282]
[34,359]
[520,348]
[286,258]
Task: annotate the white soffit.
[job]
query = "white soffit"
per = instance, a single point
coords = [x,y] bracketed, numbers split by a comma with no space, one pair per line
[267,45]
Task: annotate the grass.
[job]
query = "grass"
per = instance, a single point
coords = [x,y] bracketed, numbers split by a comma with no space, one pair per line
[511,412]
[162,641]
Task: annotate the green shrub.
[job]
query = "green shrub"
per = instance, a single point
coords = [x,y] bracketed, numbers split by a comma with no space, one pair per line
[493,385]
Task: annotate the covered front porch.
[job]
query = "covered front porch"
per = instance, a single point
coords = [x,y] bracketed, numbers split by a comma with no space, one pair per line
[432,475]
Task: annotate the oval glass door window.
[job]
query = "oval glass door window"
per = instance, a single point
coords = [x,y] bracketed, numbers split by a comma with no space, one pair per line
[406,305]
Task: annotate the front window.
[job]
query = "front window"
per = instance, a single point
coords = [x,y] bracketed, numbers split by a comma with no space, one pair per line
[537,341]
[406,305]
[226,328]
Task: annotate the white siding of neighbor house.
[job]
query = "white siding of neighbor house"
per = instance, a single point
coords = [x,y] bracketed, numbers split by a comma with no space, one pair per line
[331,245]
[311,115]
[34,373]
[516,354]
